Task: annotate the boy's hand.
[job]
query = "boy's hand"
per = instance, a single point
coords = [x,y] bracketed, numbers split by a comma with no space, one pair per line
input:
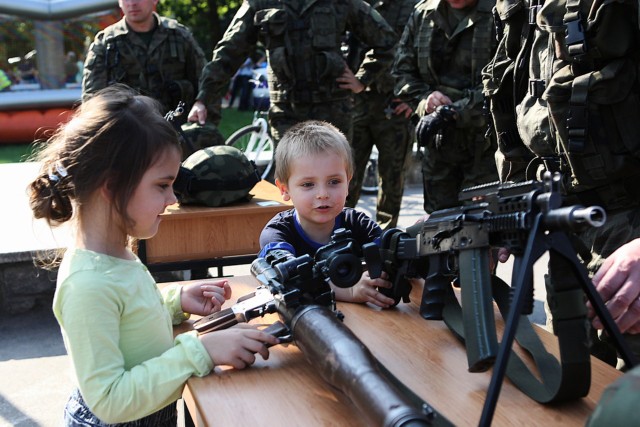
[366,291]
[204,298]
[237,346]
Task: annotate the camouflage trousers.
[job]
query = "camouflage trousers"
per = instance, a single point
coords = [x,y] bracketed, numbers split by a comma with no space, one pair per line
[283,115]
[393,136]
[464,159]
[621,227]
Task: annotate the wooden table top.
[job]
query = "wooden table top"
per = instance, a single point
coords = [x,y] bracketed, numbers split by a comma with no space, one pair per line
[286,390]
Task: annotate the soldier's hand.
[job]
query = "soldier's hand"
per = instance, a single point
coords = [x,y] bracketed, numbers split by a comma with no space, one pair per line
[349,81]
[402,108]
[618,283]
[198,113]
[433,101]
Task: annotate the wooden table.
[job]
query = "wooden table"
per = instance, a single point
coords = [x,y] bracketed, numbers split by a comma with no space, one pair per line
[286,390]
[191,235]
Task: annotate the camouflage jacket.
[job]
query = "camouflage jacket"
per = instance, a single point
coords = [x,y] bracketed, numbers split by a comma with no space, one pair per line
[303,42]
[167,70]
[396,13]
[433,57]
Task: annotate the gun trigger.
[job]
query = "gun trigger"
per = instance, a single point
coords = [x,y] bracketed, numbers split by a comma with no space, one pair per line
[280,331]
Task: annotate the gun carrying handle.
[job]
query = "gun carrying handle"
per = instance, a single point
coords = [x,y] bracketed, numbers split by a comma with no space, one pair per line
[477,309]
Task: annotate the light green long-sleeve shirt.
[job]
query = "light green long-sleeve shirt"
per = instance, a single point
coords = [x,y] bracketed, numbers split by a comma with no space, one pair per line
[117,329]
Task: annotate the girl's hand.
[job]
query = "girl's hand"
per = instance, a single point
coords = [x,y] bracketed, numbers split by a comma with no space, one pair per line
[205,298]
[238,345]
[366,291]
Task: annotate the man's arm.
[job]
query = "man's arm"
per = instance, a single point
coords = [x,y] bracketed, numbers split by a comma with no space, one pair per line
[94,74]
[410,87]
[237,43]
[195,62]
[371,28]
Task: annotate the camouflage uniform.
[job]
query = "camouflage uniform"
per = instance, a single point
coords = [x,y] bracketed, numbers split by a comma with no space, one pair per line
[436,53]
[167,68]
[303,41]
[375,124]
[577,111]
[619,403]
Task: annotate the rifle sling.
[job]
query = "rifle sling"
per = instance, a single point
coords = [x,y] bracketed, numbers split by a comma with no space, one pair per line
[197,185]
[559,381]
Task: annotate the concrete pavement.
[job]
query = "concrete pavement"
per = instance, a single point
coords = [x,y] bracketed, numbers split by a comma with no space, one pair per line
[35,372]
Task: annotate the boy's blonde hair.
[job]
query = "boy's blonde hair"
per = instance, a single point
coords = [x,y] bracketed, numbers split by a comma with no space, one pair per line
[310,138]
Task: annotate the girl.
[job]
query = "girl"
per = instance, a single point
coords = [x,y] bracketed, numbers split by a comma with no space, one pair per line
[111,170]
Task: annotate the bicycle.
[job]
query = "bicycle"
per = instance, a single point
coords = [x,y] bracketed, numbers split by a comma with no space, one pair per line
[255,142]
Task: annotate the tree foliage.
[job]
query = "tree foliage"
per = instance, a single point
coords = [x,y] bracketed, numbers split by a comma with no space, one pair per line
[207,19]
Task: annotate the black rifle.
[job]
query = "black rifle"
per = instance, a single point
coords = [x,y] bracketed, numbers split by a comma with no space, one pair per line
[453,247]
[298,290]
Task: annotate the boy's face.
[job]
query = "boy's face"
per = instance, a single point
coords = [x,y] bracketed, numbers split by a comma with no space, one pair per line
[317,187]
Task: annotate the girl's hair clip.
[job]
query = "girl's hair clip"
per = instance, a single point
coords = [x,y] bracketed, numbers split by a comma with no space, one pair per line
[60,172]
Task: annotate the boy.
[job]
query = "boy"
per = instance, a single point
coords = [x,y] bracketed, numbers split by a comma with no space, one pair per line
[314,165]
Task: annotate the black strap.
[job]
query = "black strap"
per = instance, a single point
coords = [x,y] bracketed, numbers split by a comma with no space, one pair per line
[558,379]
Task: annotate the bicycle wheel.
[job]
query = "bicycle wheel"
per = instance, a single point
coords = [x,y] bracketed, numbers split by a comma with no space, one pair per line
[370,181]
[256,144]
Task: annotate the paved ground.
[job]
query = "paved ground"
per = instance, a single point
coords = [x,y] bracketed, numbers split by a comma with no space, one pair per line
[34,368]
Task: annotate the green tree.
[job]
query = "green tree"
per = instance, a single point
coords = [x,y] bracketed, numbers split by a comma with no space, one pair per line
[207,19]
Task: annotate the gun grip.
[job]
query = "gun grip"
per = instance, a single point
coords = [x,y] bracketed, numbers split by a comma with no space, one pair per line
[372,258]
[477,309]
[435,289]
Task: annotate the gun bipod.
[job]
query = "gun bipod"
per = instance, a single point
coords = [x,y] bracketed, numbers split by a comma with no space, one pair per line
[574,379]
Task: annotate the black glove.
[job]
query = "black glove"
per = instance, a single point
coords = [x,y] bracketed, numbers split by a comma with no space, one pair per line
[429,125]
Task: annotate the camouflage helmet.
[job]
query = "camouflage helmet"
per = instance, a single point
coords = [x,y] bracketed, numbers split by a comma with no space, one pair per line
[216,176]
[201,136]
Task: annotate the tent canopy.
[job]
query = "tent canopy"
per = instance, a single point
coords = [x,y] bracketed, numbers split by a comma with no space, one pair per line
[54,9]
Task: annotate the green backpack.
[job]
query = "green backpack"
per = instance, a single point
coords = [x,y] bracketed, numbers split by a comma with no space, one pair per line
[564,89]
[216,176]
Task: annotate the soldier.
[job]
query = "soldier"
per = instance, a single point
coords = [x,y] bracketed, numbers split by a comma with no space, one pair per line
[155,55]
[577,110]
[308,77]
[439,61]
[382,120]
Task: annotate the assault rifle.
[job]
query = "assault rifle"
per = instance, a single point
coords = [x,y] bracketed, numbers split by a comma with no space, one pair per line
[453,246]
[298,290]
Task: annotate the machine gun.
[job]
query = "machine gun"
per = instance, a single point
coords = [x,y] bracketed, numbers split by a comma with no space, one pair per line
[297,288]
[453,247]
